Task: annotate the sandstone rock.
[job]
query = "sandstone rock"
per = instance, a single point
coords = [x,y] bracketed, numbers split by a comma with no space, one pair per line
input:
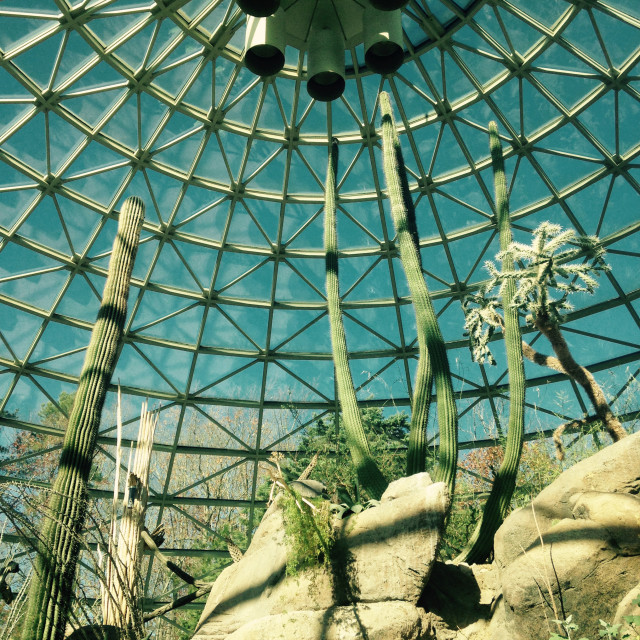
[615,469]
[461,601]
[618,513]
[575,550]
[387,552]
[628,607]
[381,554]
[375,621]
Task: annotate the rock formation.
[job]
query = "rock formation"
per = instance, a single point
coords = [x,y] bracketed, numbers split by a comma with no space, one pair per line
[575,550]
[381,562]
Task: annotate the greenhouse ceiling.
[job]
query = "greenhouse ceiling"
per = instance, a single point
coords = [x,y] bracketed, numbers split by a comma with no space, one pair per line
[227,331]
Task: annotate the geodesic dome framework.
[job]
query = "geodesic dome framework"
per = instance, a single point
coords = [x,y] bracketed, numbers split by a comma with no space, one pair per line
[227,331]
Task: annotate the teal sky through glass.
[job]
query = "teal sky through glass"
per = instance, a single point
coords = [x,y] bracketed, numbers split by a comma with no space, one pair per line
[105,99]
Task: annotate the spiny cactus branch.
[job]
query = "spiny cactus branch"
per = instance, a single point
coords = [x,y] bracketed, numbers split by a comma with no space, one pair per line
[50,595]
[369,475]
[496,508]
[433,359]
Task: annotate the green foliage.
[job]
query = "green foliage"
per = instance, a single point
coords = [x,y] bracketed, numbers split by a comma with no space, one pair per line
[308,531]
[387,437]
[608,630]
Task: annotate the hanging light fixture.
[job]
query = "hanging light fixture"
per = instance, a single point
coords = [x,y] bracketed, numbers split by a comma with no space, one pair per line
[325,64]
[383,42]
[388,5]
[264,44]
[259,8]
[324,29]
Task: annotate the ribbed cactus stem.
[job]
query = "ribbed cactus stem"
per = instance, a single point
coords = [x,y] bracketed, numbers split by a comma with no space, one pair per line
[370,477]
[51,590]
[432,351]
[481,543]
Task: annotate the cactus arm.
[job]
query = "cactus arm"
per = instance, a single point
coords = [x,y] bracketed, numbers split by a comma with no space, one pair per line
[430,341]
[481,543]
[51,590]
[369,475]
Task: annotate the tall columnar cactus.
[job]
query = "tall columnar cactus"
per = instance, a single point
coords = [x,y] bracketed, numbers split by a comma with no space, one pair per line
[369,476]
[432,352]
[50,595]
[481,543]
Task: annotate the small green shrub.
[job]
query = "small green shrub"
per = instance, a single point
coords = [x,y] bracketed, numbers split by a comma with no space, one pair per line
[608,630]
[308,531]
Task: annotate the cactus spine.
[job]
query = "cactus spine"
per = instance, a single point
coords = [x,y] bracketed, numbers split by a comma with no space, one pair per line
[369,476]
[51,590]
[432,352]
[481,543]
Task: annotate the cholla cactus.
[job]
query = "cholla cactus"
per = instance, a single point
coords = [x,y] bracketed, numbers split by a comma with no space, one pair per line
[549,274]
[547,278]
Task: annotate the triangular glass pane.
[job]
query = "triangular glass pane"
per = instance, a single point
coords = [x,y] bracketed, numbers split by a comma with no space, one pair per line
[244,228]
[242,383]
[97,187]
[291,287]
[254,321]
[528,186]
[80,300]
[174,80]
[211,164]
[522,35]
[219,330]
[19,328]
[91,108]
[133,370]
[174,363]
[37,62]
[315,339]
[77,54]
[620,38]
[123,124]
[622,208]
[628,116]
[375,285]
[28,143]
[600,120]
[182,318]
[287,322]
[281,386]
[296,223]
[43,225]
[563,171]
[586,205]
[39,290]
[199,93]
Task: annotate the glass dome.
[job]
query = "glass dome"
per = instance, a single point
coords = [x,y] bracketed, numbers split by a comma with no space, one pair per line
[227,331]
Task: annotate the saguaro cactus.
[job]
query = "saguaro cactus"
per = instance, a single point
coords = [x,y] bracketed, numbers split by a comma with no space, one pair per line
[369,476]
[481,543]
[432,352]
[50,595]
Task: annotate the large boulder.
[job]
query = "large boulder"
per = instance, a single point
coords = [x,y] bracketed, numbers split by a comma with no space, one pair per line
[575,550]
[384,554]
[374,621]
